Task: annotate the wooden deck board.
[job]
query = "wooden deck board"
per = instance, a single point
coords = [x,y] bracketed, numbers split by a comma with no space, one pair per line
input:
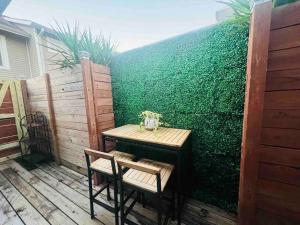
[57,195]
[74,196]
[64,204]
[60,172]
[79,186]
[8,216]
[46,208]
[24,209]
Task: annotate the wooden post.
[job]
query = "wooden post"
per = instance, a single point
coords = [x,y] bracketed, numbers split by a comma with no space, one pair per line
[52,119]
[25,96]
[89,104]
[89,100]
[20,112]
[253,111]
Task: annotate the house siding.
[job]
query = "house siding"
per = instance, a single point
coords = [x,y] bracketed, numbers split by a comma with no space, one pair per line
[45,55]
[28,57]
[33,52]
[50,55]
[18,58]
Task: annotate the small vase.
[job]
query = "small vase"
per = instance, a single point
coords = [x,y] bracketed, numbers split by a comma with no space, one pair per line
[150,123]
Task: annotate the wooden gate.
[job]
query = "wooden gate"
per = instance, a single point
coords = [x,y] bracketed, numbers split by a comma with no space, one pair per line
[11,111]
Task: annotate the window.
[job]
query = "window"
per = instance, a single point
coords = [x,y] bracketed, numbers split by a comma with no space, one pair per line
[4,62]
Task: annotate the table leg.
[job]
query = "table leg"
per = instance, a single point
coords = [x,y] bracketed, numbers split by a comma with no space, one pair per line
[178,188]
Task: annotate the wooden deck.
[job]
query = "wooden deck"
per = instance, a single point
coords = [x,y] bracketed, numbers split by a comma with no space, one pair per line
[52,194]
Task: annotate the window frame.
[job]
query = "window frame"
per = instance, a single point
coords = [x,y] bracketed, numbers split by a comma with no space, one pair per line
[4,53]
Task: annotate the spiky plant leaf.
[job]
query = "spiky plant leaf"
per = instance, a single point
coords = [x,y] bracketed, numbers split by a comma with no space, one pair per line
[241,8]
[99,47]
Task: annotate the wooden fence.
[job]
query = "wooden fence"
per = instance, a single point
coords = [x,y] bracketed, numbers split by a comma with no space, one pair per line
[78,104]
[270,163]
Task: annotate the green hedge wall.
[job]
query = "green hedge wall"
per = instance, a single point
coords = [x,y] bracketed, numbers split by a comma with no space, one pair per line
[196,81]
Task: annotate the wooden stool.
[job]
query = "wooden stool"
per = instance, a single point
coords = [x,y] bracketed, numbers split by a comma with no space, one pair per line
[145,176]
[105,165]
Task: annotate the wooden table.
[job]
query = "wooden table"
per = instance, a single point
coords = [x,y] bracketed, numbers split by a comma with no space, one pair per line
[168,140]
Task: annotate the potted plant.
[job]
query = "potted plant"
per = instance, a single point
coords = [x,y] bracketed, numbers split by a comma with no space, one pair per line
[150,120]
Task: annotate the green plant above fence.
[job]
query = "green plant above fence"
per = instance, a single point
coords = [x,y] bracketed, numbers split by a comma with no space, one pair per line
[196,81]
[73,40]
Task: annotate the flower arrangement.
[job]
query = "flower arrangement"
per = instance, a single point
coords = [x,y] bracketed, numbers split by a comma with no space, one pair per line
[151,120]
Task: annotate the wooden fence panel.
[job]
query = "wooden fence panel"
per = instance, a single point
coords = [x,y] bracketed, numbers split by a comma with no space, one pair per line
[285,16]
[283,80]
[78,104]
[61,98]
[68,100]
[103,100]
[277,188]
[279,156]
[254,100]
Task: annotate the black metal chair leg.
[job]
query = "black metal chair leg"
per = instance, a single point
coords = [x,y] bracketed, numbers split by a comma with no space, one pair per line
[107,190]
[173,202]
[159,209]
[116,209]
[91,194]
[143,200]
[122,204]
[139,197]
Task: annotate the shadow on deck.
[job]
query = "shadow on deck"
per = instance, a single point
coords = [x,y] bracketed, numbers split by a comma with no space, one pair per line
[52,194]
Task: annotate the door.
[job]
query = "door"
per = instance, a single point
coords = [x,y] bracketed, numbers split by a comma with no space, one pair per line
[11,111]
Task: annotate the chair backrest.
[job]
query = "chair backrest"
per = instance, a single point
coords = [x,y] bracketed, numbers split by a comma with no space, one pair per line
[98,154]
[139,166]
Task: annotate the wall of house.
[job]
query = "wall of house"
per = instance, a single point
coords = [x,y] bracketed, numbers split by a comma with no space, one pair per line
[33,44]
[29,57]
[18,58]
[48,54]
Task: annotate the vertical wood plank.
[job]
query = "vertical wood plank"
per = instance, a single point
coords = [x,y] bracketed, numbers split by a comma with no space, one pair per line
[25,96]
[21,107]
[253,111]
[103,93]
[99,130]
[19,94]
[16,106]
[90,104]
[3,91]
[52,119]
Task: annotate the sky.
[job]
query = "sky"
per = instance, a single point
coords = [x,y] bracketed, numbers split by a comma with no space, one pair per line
[129,23]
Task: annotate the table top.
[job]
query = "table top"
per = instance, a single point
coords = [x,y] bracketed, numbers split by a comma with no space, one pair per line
[163,136]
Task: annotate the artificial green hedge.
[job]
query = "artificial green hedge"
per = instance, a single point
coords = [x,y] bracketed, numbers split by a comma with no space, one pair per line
[196,81]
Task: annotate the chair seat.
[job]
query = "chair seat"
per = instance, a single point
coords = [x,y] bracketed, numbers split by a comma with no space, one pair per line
[148,181]
[104,165]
